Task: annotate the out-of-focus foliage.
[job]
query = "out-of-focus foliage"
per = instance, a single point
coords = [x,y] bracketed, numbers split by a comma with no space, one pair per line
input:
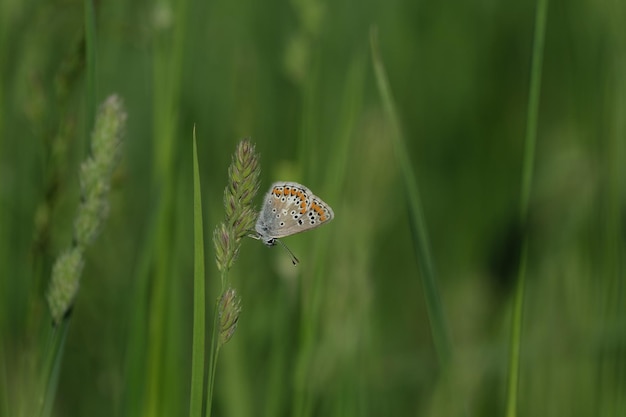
[346,331]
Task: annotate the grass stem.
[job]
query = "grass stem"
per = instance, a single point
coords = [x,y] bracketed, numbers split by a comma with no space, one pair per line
[199,313]
[527,179]
[421,243]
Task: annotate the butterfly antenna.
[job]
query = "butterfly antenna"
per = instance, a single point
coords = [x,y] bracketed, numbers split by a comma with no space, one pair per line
[294,260]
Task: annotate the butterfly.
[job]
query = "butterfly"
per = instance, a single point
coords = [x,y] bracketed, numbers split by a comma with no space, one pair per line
[290,208]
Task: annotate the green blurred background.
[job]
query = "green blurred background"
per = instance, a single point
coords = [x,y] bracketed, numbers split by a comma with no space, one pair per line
[346,332]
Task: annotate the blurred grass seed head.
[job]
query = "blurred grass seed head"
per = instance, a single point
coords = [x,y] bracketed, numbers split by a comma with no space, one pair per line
[95,183]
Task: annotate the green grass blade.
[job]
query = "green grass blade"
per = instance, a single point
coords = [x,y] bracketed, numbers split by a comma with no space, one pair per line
[91,90]
[533,106]
[612,386]
[161,357]
[212,361]
[348,117]
[159,309]
[4,395]
[315,280]
[198,348]
[52,366]
[418,223]
[527,178]
[137,333]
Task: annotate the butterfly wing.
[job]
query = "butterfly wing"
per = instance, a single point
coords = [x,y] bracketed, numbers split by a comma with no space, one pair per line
[291,208]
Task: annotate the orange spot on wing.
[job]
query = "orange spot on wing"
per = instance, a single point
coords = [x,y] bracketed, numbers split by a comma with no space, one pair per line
[320,210]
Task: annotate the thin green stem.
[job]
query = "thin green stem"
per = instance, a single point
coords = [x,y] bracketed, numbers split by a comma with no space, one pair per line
[418,222]
[533,106]
[91,90]
[527,179]
[53,356]
[159,309]
[44,372]
[516,334]
[55,344]
[243,184]
[213,357]
[168,55]
[198,348]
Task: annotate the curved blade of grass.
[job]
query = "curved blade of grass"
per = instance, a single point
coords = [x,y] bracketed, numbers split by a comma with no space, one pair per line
[197,353]
[418,223]
[527,177]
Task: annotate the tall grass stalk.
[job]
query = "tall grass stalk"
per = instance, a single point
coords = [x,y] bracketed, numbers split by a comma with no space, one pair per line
[612,310]
[52,366]
[309,305]
[346,399]
[4,222]
[169,30]
[421,243]
[137,333]
[213,354]
[4,395]
[199,313]
[91,70]
[316,283]
[527,180]
[240,219]
[95,178]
